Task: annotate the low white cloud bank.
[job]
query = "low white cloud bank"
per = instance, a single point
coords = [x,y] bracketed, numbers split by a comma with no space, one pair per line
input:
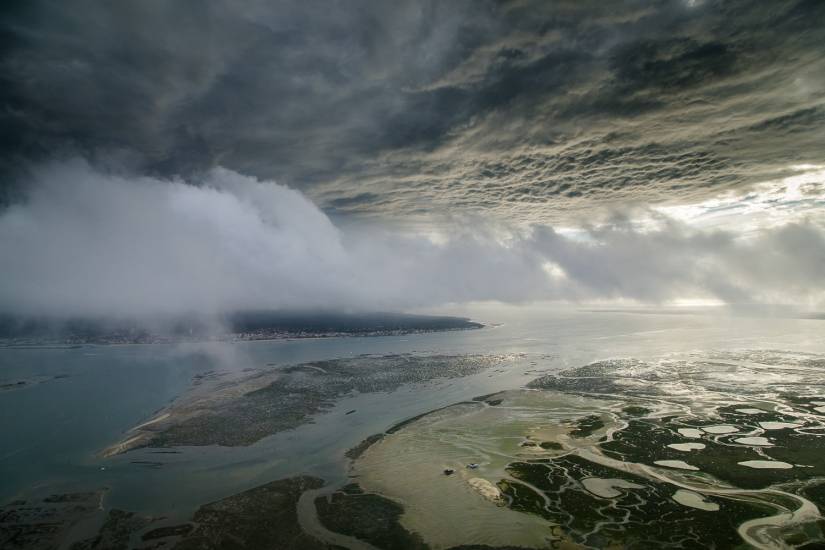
[91,243]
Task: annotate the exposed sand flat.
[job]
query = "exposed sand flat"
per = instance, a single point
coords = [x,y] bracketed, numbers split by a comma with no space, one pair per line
[680,464]
[721,429]
[762,441]
[694,500]
[485,489]
[124,446]
[778,425]
[750,411]
[820,409]
[766,464]
[687,446]
[690,432]
[607,488]
[160,418]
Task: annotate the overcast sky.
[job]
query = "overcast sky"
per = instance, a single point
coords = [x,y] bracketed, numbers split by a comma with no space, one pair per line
[159,157]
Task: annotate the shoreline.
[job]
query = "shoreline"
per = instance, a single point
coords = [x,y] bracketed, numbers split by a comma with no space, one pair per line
[235,338]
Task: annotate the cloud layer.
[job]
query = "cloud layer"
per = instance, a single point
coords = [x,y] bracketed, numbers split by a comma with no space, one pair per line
[431,152]
[530,110]
[86,242]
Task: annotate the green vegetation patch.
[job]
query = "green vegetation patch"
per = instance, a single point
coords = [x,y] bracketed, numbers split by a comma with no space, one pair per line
[366,516]
[644,517]
[263,517]
[636,410]
[587,426]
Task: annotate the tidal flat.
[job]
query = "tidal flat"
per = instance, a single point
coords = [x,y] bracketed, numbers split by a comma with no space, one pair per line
[692,453]
[498,438]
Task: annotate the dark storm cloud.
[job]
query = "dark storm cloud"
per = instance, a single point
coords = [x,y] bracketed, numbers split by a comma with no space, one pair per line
[288,89]
[380,109]
[675,104]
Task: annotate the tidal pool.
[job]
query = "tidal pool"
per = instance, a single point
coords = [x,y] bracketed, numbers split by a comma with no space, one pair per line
[694,500]
[766,464]
[755,440]
[778,425]
[608,488]
[720,429]
[679,464]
